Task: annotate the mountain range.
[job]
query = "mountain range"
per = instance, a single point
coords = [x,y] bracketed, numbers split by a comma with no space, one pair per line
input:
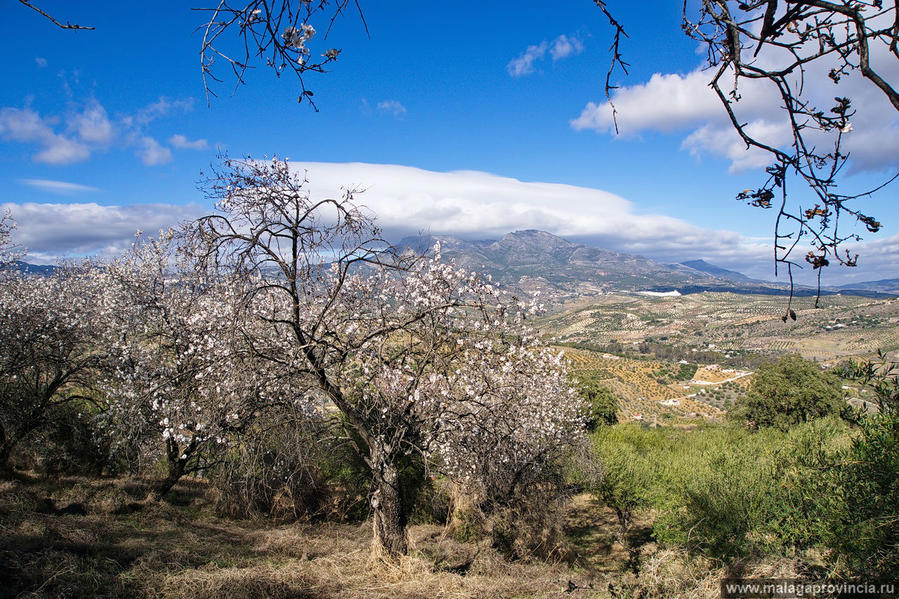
[533,260]
[888,286]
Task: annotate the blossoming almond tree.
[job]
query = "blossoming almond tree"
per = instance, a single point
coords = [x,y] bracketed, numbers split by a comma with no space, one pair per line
[416,355]
[182,377]
[50,347]
[7,249]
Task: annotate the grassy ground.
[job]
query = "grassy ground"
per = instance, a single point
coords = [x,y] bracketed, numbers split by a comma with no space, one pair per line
[78,537]
[86,538]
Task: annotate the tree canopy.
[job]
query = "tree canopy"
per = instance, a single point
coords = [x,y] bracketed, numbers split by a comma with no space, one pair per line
[789,391]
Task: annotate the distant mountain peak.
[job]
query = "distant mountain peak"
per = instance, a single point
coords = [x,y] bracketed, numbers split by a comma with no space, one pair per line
[531,260]
[717,271]
[534,233]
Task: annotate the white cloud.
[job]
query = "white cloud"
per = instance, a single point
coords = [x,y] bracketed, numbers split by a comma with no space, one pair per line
[724,141]
[57,187]
[685,103]
[393,107]
[182,143]
[524,64]
[565,46]
[26,126]
[478,205]
[481,205]
[93,125]
[468,204]
[559,48]
[76,135]
[152,153]
[49,231]
[162,107]
[878,258]
[63,151]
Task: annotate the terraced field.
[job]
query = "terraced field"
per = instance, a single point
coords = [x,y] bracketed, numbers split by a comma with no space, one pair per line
[640,395]
[714,375]
[725,322]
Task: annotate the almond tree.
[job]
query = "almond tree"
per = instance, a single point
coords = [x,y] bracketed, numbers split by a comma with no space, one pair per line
[180,375]
[50,346]
[8,251]
[414,354]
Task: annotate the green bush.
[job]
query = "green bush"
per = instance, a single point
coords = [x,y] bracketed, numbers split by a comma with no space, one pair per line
[738,494]
[862,514]
[792,390]
[602,405]
[722,491]
[686,372]
[627,470]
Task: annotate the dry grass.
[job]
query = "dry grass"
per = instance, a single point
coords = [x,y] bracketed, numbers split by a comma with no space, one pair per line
[83,538]
[87,538]
[672,573]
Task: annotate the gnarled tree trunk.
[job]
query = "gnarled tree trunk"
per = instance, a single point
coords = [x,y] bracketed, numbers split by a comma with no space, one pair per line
[388,512]
[177,465]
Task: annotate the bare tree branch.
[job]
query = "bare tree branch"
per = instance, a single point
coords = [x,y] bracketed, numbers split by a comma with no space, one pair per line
[53,20]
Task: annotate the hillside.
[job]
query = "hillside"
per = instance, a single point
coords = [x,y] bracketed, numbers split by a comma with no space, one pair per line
[737,329]
[717,271]
[533,260]
[530,261]
[889,286]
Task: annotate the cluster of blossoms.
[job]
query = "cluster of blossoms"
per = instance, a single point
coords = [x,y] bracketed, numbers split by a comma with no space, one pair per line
[465,378]
[296,39]
[7,249]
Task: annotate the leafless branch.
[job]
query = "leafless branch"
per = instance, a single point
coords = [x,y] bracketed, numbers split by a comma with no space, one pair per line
[278,34]
[52,19]
[785,39]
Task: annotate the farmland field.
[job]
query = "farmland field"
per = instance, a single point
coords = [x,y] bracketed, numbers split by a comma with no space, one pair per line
[727,324]
[635,345]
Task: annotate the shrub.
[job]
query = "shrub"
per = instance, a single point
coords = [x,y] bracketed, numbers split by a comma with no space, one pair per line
[69,443]
[602,405]
[293,470]
[722,491]
[792,390]
[863,513]
[736,494]
[626,455]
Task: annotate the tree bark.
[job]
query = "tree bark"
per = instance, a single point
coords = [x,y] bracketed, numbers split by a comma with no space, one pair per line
[5,453]
[388,512]
[161,489]
[176,468]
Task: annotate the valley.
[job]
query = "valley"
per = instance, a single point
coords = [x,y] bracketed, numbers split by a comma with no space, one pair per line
[640,346]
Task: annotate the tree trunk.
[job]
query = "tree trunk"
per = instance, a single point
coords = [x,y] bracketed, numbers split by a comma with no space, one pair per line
[176,468]
[161,488]
[389,513]
[5,453]
[9,438]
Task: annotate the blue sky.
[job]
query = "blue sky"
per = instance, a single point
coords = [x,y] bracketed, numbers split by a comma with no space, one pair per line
[469,118]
